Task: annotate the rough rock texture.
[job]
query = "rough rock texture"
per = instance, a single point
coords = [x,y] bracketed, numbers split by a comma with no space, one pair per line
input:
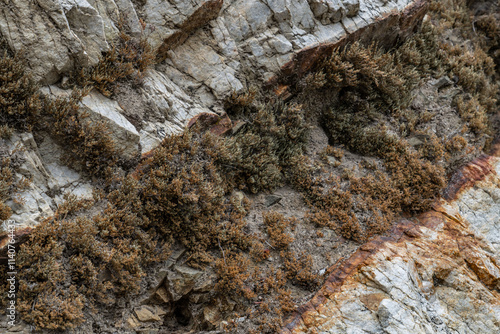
[124,134]
[212,48]
[50,179]
[173,286]
[27,25]
[242,43]
[436,274]
[57,35]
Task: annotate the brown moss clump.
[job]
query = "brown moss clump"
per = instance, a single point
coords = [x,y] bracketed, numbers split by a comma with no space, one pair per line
[298,268]
[369,73]
[128,58]
[276,227]
[22,108]
[234,275]
[336,152]
[262,150]
[6,184]
[369,92]
[75,263]
[456,144]
[19,109]
[184,193]
[471,63]
[19,100]
[89,144]
[473,112]
[419,180]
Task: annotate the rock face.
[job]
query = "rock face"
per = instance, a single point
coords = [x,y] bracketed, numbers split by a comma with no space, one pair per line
[125,135]
[256,35]
[211,48]
[27,25]
[50,180]
[439,274]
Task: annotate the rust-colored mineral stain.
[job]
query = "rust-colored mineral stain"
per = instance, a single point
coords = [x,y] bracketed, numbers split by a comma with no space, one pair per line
[219,125]
[348,268]
[468,175]
[283,91]
[455,230]
[459,245]
[465,178]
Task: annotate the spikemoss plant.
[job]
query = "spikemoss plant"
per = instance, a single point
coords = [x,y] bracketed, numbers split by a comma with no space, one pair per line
[19,101]
[63,263]
[127,59]
[262,150]
[76,262]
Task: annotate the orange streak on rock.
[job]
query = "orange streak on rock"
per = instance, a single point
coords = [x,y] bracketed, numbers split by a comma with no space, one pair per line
[466,176]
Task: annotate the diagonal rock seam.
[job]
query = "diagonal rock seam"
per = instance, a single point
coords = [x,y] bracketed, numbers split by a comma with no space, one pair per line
[476,252]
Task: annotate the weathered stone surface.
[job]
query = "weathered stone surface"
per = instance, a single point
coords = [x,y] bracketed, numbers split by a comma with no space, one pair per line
[181,281]
[259,34]
[170,101]
[124,134]
[187,17]
[55,36]
[50,180]
[480,205]
[87,24]
[215,72]
[36,204]
[203,66]
[333,11]
[109,13]
[439,275]
[149,313]
[26,26]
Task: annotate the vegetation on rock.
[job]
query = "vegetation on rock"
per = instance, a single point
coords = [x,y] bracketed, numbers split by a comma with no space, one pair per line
[188,189]
[127,59]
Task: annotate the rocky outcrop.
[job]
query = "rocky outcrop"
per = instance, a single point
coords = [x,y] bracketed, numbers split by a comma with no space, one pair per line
[185,17]
[177,290]
[436,274]
[213,48]
[261,35]
[27,25]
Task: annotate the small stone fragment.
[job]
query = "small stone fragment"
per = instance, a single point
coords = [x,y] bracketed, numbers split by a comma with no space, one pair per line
[271,200]
[146,314]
